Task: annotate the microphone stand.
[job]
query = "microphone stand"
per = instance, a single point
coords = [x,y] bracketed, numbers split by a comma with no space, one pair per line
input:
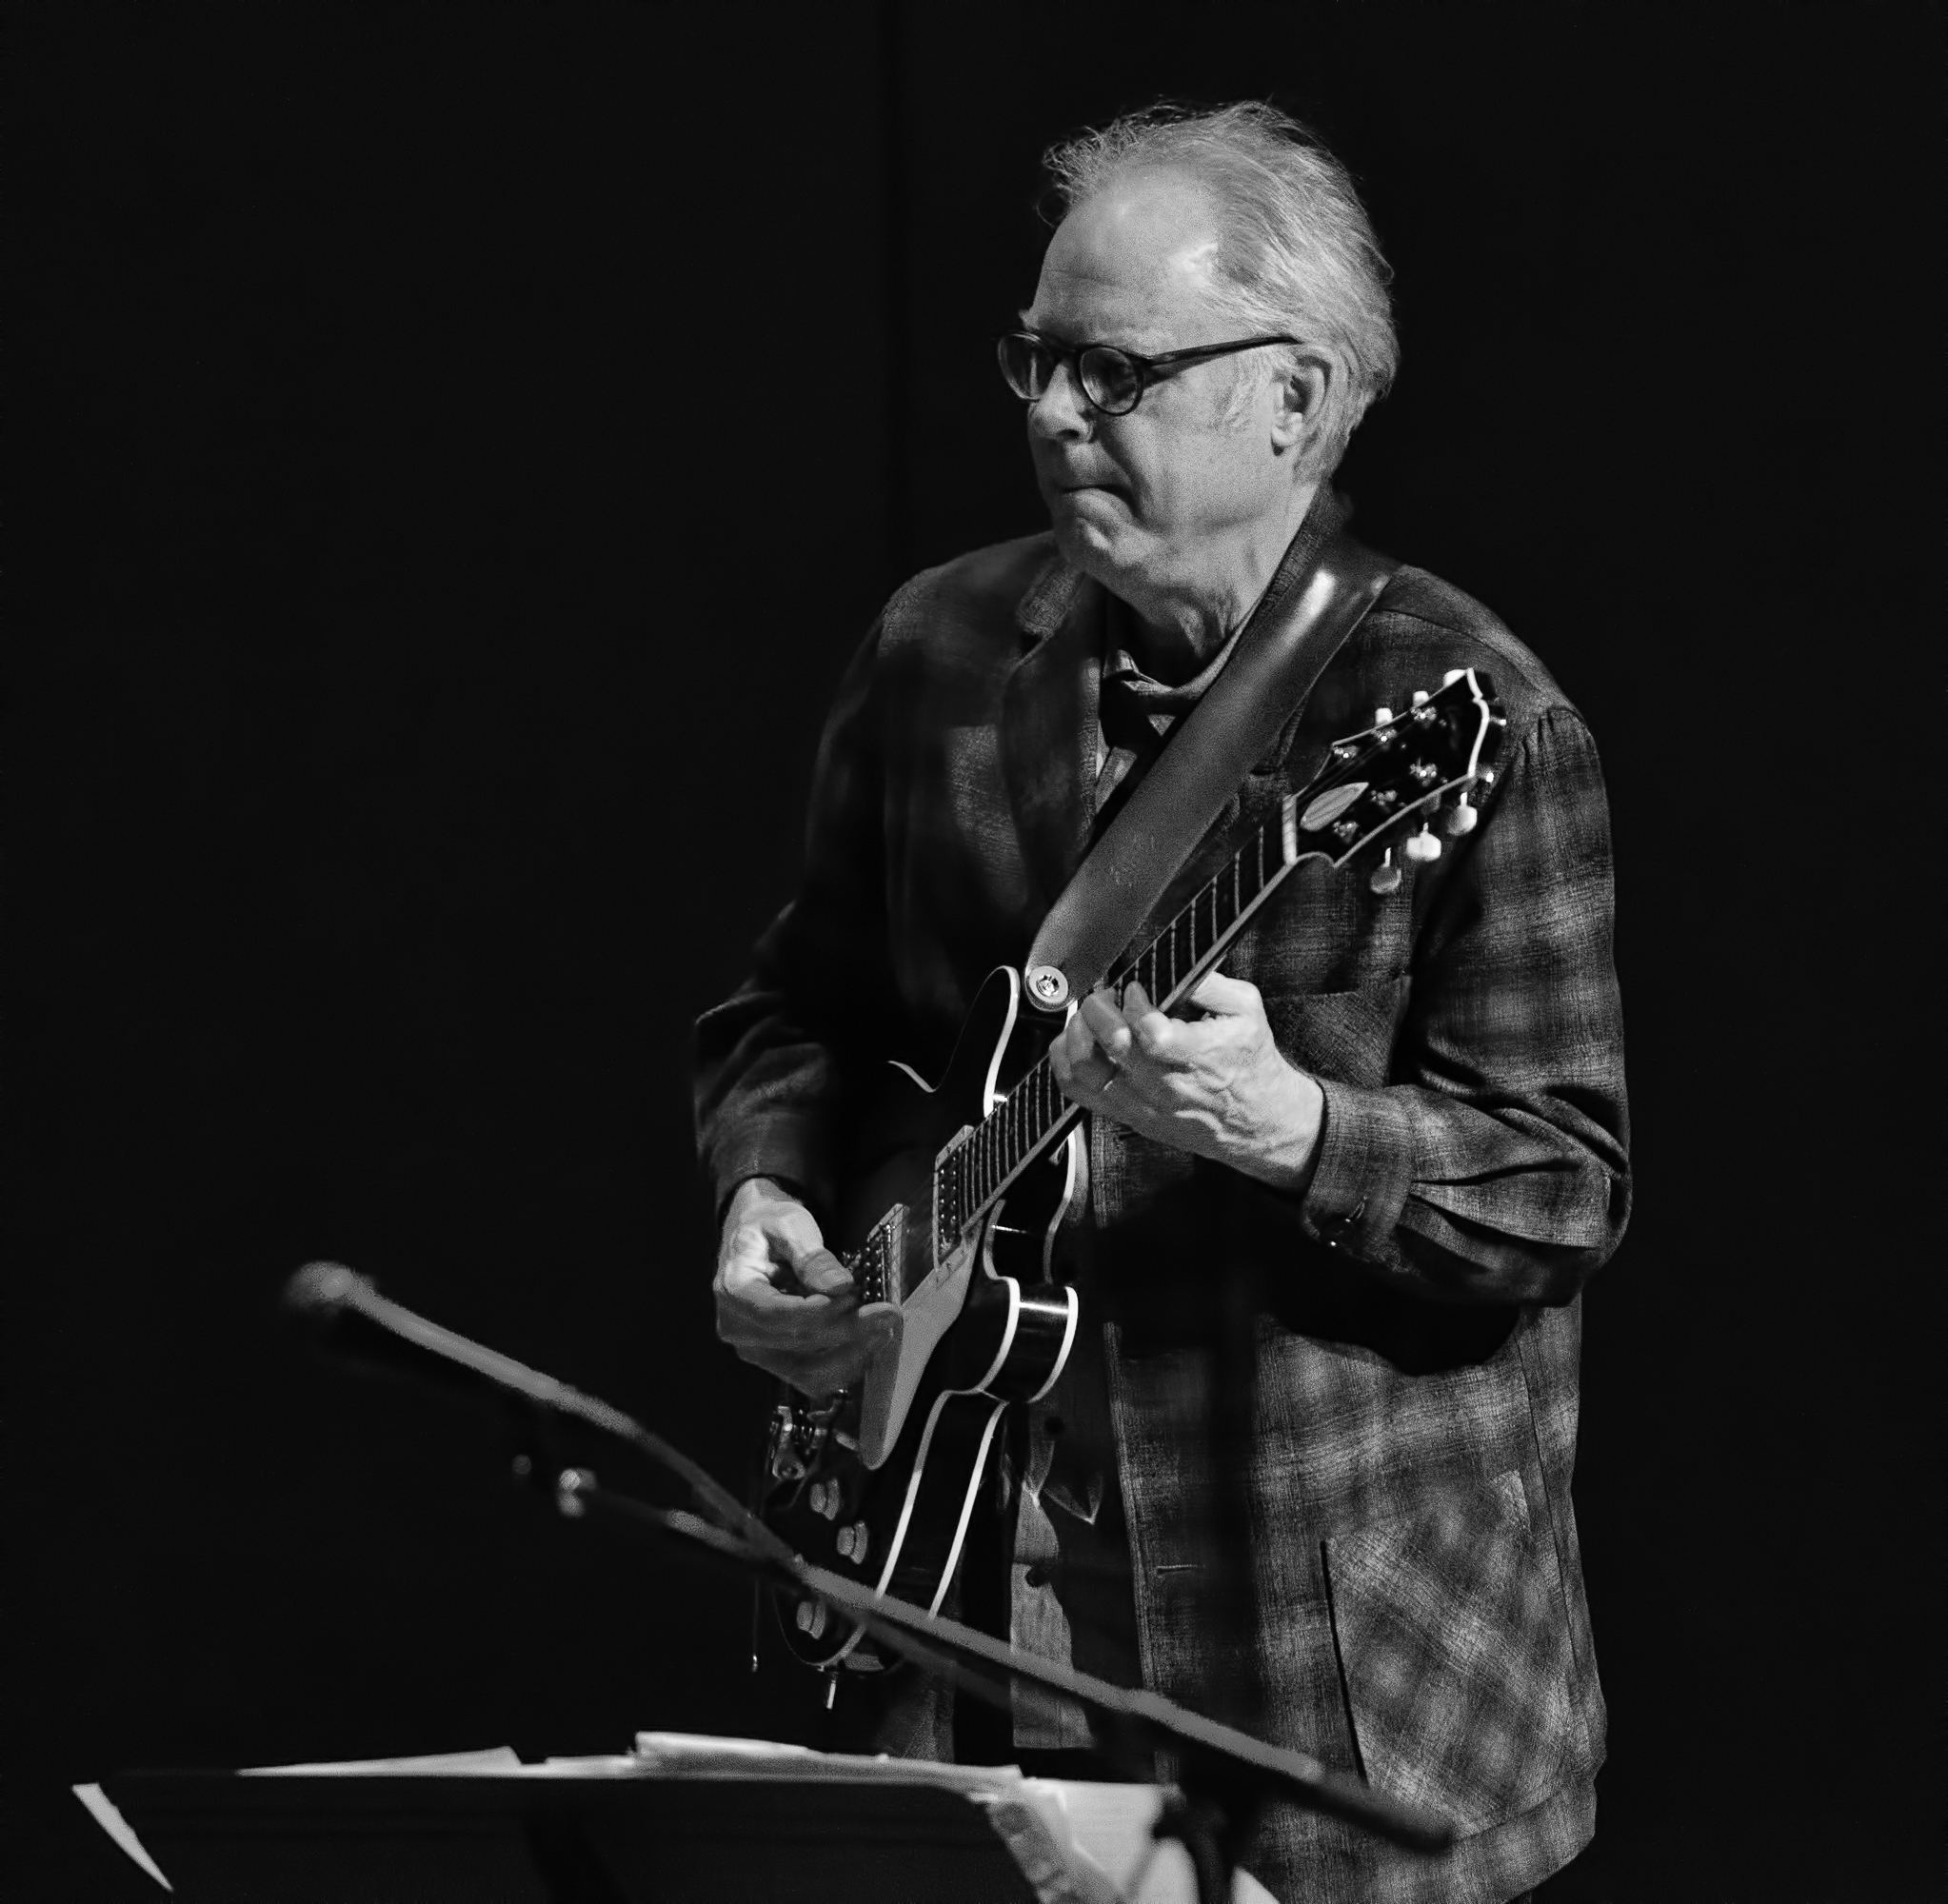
[1223,1776]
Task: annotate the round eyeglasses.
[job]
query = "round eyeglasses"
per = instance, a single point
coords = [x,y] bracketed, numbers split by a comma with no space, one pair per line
[1113,379]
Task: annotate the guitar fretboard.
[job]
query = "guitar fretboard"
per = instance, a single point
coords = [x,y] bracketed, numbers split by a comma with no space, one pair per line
[1035,1113]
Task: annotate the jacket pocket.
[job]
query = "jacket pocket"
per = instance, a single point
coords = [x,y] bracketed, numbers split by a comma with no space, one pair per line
[1454,1649]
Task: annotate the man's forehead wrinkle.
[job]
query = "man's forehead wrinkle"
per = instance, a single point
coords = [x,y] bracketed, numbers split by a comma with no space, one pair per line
[1086,306]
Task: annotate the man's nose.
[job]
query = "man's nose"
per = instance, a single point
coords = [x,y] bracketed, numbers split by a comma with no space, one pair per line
[1061,413]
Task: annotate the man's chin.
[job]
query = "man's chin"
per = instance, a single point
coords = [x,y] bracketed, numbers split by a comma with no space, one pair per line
[1089,530]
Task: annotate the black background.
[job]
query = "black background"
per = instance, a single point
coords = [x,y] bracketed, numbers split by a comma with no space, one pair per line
[465,442]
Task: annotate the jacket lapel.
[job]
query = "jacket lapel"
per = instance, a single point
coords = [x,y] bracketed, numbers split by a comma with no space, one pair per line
[1048,723]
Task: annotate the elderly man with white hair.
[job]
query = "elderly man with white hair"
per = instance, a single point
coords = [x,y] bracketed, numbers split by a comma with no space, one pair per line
[1392,1134]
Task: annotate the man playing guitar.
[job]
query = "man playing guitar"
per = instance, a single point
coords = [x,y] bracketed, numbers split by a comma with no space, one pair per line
[1325,1221]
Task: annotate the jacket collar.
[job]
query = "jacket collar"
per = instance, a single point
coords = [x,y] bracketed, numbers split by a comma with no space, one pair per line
[1056,592]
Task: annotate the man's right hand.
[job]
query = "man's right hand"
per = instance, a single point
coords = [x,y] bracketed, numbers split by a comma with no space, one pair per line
[784,1300]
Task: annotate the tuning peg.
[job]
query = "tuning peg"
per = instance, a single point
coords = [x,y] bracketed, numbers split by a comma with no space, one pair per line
[1421,847]
[1419,695]
[1382,715]
[1385,878]
[1460,818]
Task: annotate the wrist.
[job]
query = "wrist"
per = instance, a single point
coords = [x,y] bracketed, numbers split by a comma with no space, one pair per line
[1286,1151]
[748,1193]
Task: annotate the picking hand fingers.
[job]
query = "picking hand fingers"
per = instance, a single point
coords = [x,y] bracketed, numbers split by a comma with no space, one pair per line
[816,1342]
[762,1250]
[755,1312]
[823,1274]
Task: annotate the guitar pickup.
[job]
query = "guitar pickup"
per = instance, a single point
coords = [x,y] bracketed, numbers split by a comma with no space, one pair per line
[948,1193]
[879,1255]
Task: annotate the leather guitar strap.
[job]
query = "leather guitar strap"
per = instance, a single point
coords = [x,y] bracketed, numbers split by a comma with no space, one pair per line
[1298,627]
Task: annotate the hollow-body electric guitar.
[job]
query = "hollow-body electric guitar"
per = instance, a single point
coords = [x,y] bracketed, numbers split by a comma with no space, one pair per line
[959,1189]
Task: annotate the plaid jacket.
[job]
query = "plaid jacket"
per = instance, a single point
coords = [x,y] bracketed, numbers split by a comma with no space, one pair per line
[1418,1601]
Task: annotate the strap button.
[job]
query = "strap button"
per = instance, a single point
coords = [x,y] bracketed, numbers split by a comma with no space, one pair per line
[1048,987]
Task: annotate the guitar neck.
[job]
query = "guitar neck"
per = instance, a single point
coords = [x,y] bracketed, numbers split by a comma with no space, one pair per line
[974,1172]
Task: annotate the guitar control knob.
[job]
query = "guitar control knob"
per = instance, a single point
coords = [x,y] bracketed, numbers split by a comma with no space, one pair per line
[811,1617]
[1385,878]
[1460,818]
[1421,847]
[1382,715]
[1419,695]
[852,1542]
[824,1499]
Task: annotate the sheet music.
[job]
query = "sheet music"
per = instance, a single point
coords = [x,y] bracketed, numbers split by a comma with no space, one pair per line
[1076,1843]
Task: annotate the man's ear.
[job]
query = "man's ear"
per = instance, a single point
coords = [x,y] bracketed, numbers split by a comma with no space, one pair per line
[1299,395]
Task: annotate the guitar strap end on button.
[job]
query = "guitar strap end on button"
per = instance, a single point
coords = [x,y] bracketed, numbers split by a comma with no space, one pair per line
[1047,987]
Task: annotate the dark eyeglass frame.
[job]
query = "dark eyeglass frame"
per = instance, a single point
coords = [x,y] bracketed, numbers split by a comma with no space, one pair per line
[1147,371]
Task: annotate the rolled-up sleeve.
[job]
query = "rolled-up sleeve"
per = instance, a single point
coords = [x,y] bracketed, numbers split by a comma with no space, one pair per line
[1494,1165]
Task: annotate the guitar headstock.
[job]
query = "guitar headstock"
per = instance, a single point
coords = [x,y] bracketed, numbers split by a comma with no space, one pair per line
[1394,777]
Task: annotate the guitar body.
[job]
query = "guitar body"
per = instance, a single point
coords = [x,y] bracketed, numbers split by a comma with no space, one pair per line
[881,1482]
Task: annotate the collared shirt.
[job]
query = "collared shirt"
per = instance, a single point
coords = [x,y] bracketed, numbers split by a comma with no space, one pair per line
[1135,713]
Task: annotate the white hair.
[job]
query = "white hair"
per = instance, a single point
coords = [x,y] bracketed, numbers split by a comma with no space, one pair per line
[1297,251]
